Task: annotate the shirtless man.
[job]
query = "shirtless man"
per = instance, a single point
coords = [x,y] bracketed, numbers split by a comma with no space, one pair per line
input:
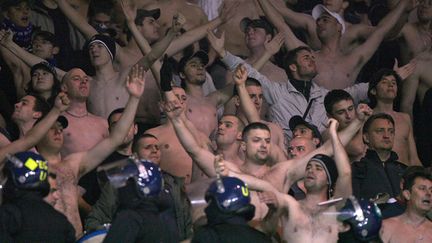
[306,220]
[174,158]
[36,133]
[85,129]
[201,110]
[339,105]
[69,169]
[417,37]
[194,15]
[412,226]
[27,110]
[383,91]
[336,69]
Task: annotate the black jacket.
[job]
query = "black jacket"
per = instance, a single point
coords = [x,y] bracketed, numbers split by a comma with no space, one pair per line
[371,176]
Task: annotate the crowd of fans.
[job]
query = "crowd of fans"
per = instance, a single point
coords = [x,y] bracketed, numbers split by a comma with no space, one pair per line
[215,121]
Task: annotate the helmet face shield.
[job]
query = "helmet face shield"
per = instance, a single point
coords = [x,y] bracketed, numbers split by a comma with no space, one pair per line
[234,196]
[145,175]
[363,216]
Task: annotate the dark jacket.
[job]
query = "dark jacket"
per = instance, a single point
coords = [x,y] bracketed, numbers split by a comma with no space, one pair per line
[28,218]
[371,176]
[105,208]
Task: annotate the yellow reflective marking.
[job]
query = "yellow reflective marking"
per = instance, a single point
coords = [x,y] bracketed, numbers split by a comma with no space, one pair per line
[245,191]
[31,164]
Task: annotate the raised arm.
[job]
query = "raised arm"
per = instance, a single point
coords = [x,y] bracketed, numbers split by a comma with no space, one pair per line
[228,11]
[201,156]
[28,58]
[248,107]
[93,157]
[284,174]
[76,19]
[343,184]
[291,41]
[365,51]
[271,48]
[34,135]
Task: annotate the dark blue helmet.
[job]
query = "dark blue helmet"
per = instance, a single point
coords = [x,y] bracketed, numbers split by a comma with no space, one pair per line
[232,196]
[145,175]
[363,216]
[28,170]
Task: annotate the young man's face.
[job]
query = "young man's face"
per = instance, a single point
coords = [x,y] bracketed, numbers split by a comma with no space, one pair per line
[19,14]
[386,89]
[315,176]
[24,109]
[380,135]
[424,10]
[299,146]
[53,139]
[77,84]
[327,26]
[305,64]
[194,71]
[344,112]
[181,95]
[228,130]
[257,146]
[99,55]
[150,29]
[256,37]
[148,148]
[100,20]
[43,48]
[302,131]
[42,80]
[256,95]
[420,195]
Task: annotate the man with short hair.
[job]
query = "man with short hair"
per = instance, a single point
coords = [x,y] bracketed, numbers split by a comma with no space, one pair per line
[383,92]
[339,105]
[85,129]
[380,162]
[27,110]
[412,226]
[301,128]
[202,110]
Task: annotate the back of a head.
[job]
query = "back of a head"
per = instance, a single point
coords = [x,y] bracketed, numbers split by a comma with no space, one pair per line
[142,178]
[364,218]
[27,172]
[231,196]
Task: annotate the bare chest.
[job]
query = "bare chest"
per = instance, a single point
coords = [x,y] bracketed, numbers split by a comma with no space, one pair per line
[334,72]
[306,226]
[202,114]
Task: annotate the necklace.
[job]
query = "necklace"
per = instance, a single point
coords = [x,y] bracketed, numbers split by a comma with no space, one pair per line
[78,116]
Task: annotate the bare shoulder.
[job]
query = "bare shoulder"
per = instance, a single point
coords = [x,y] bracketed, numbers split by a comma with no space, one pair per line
[73,161]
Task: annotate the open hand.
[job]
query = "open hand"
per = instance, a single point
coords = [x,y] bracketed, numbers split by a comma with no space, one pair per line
[135,81]
[129,10]
[274,45]
[217,43]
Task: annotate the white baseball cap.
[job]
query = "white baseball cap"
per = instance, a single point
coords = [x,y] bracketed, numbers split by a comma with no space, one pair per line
[319,9]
